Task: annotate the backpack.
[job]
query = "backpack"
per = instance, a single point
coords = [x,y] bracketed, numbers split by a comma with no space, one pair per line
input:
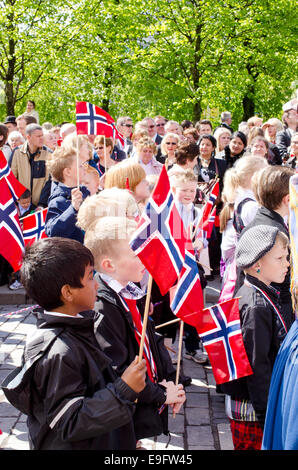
[17,384]
[237,220]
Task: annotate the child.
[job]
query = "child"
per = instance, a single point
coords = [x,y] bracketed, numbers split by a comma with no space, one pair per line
[91,179]
[262,254]
[66,385]
[24,204]
[118,323]
[184,186]
[66,197]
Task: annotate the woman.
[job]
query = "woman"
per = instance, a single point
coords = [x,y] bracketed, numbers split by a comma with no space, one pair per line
[191,134]
[262,253]
[271,127]
[103,147]
[146,150]
[223,137]
[186,157]
[235,149]
[136,136]
[208,166]
[15,139]
[50,140]
[31,111]
[3,144]
[261,147]
[168,147]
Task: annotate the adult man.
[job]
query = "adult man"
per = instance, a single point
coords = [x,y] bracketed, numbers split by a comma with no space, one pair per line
[283,138]
[160,123]
[11,123]
[28,164]
[23,121]
[151,128]
[226,120]
[124,126]
[66,129]
[173,127]
[204,127]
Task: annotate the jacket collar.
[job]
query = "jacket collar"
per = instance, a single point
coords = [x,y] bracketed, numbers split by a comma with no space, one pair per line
[269,290]
[50,320]
[272,215]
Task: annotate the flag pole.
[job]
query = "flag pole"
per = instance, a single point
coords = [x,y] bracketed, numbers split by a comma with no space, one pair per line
[78,163]
[168,323]
[105,152]
[179,355]
[145,319]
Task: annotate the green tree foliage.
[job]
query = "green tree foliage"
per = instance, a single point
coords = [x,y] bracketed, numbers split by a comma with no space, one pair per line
[177,58]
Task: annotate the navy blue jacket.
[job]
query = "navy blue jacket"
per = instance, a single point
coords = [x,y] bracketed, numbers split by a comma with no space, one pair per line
[61,216]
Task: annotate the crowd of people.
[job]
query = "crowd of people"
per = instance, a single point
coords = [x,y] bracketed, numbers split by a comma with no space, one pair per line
[88,390]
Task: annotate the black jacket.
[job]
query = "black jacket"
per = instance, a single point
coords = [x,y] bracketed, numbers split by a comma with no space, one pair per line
[263,334]
[114,331]
[217,167]
[73,398]
[229,159]
[283,141]
[266,216]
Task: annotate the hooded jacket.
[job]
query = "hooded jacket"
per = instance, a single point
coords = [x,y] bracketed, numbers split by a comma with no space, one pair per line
[61,217]
[114,331]
[67,387]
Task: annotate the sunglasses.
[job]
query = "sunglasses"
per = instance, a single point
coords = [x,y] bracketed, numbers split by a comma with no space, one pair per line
[98,148]
[171,143]
[151,127]
[128,125]
[160,125]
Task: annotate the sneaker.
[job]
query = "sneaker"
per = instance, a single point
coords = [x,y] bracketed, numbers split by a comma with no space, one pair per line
[16,285]
[197,356]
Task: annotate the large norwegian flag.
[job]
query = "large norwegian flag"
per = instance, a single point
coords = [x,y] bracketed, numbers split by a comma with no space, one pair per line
[92,120]
[11,237]
[220,331]
[34,227]
[159,240]
[188,296]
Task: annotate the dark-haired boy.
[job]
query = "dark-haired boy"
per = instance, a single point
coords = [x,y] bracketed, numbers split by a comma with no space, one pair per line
[66,385]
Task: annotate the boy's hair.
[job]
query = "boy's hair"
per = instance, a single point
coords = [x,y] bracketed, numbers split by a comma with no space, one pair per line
[186,176]
[101,140]
[61,158]
[26,194]
[272,185]
[103,235]
[51,263]
[125,173]
[109,202]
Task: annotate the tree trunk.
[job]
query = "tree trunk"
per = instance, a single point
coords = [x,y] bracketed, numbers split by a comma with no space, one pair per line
[248,108]
[197,111]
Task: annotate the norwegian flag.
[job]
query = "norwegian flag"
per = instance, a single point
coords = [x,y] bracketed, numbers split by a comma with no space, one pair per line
[15,187]
[220,331]
[188,297]
[159,240]
[207,219]
[92,120]
[34,227]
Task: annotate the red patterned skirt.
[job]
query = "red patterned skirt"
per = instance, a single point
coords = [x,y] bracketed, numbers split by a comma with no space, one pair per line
[247,435]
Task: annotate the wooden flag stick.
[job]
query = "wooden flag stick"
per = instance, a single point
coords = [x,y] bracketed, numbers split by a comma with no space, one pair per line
[179,355]
[168,323]
[179,351]
[105,152]
[145,319]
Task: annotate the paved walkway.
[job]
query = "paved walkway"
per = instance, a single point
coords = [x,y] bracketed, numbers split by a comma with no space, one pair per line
[200,425]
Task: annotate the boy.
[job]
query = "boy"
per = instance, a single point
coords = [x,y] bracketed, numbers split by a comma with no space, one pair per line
[71,394]
[184,187]
[66,197]
[24,204]
[118,323]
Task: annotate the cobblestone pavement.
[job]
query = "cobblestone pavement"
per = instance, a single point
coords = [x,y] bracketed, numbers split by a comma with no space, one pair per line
[200,425]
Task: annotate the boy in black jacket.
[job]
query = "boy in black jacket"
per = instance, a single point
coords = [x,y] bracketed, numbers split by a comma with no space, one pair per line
[118,323]
[66,385]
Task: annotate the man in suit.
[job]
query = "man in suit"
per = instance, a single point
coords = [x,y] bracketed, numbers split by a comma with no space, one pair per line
[283,138]
[160,123]
[151,128]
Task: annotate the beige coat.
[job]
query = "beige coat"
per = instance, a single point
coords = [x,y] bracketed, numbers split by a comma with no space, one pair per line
[21,168]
